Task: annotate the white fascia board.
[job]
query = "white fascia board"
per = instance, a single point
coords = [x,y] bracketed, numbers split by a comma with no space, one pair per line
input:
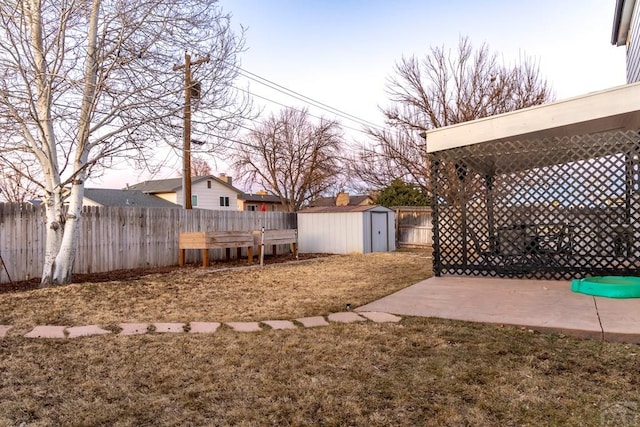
[610,109]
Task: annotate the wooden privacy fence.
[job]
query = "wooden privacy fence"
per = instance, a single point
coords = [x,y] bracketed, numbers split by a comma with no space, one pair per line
[115,238]
[414,226]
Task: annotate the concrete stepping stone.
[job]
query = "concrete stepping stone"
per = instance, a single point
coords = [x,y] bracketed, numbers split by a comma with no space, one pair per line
[169,328]
[313,322]
[280,324]
[133,328]
[47,332]
[244,326]
[379,317]
[86,331]
[346,317]
[203,327]
[4,329]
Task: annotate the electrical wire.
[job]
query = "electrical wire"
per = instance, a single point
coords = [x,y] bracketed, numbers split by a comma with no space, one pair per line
[293,108]
[297,95]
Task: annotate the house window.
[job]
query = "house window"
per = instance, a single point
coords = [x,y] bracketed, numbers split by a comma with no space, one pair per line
[224,201]
[208,184]
[194,200]
[252,208]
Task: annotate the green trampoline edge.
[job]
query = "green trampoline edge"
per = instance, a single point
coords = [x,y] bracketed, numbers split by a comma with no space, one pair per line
[608,286]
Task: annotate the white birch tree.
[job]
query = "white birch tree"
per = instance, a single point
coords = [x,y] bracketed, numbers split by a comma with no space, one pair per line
[84,83]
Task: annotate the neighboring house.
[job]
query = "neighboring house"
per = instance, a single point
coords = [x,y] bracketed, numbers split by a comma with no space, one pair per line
[207,192]
[626,31]
[342,199]
[254,202]
[132,198]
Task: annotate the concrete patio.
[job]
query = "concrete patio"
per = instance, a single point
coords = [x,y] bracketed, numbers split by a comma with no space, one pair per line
[542,305]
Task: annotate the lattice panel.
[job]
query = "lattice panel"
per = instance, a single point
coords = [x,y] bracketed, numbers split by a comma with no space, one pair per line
[549,208]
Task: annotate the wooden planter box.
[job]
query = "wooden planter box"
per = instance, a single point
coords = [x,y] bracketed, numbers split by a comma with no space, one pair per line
[205,240]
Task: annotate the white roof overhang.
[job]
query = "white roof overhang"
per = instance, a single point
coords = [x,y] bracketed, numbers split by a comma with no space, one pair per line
[612,109]
[622,21]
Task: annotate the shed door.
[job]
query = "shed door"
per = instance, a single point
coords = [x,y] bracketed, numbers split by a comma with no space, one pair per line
[379,232]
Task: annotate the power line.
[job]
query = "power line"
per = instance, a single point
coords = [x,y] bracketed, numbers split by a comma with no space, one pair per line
[306,99]
[293,108]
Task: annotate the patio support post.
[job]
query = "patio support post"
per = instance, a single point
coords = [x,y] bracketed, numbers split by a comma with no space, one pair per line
[461,172]
[488,179]
[435,168]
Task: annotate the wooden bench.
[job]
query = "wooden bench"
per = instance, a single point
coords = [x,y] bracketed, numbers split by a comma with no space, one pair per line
[205,240]
[275,237]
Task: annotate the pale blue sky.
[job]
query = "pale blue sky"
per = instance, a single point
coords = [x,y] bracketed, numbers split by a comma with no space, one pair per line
[340,52]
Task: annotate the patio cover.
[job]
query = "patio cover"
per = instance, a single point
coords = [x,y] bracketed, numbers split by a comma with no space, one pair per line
[612,109]
[549,191]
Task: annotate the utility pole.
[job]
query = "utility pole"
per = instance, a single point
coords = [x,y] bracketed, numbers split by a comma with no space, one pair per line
[186,150]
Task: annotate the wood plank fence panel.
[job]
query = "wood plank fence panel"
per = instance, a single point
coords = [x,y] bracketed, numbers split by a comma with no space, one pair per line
[114,238]
[414,227]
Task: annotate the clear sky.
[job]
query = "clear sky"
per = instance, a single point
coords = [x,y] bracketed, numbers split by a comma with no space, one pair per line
[340,52]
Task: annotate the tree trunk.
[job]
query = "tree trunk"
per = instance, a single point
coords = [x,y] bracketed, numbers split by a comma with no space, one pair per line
[62,236]
[55,230]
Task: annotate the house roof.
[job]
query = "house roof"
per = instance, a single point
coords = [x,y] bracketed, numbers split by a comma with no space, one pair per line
[267,198]
[338,209]
[622,21]
[331,201]
[173,185]
[114,197]
[616,108]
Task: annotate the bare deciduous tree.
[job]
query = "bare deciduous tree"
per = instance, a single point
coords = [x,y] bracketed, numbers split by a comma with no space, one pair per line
[84,83]
[442,89]
[296,159]
[199,167]
[18,180]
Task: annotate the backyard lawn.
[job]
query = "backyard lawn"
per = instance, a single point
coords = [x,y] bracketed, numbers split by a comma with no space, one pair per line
[416,372]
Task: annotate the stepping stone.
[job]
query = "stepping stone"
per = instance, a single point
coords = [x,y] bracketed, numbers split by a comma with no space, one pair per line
[345,317]
[47,332]
[169,328]
[4,329]
[133,328]
[203,327]
[86,331]
[244,326]
[280,324]
[312,322]
[378,317]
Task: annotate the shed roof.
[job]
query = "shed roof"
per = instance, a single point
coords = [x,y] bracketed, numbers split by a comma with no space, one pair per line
[339,209]
[616,108]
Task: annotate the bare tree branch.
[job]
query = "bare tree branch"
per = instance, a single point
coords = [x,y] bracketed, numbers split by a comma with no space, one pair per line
[443,88]
[296,159]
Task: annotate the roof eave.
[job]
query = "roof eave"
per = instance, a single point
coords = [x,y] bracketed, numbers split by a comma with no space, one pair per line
[611,109]
[622,21]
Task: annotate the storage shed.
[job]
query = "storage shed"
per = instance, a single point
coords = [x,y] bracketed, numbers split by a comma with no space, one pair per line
[346,229]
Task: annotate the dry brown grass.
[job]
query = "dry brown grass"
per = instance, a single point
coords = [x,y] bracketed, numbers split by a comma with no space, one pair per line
[420,372]
[281,291]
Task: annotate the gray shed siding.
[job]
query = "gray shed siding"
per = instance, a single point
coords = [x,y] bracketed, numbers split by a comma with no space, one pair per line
[345,232]
[633,50]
